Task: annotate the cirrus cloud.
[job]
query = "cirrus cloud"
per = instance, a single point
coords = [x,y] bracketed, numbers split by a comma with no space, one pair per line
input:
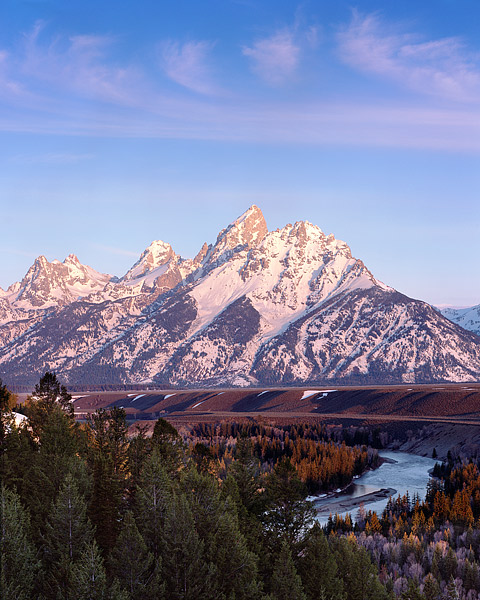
[441,67]
[275,58]
[187,65]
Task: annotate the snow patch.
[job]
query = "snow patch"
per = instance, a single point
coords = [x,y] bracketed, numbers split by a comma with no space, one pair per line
[308,394]
[198,404]
[139,396]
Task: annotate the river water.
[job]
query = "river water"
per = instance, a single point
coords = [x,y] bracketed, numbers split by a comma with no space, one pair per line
[408,473]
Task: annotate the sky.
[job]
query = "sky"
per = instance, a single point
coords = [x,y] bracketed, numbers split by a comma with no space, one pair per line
[126,122]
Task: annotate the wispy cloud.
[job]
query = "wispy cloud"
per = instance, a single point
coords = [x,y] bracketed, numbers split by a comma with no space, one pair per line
[276,58]
[187,64]
[83,93]
[8,85]
[441,67]
[76,64]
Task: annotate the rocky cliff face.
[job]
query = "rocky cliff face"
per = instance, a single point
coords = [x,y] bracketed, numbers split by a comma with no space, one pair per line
[288,306]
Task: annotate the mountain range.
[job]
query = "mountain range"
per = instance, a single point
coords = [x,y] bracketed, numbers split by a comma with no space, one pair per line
[290,306]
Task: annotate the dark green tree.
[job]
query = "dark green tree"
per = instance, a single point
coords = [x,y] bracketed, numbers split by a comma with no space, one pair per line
[134,566]
[7,403]
[19,564]
[359,575]
[49,393]
[152,498]
[205,500]
[108,460]
[187,574]
[202,457]
[413,591]
[431,588]
[243,485]
[169,445]
[236,565]
[67,534]
[288,515]
[286,583]
[318,568]
[55,457]
[89,579]
[452,590]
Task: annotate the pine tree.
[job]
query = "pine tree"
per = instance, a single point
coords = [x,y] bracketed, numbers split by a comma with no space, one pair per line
[7,402]
[452,591]
[109,445]
[133,565]
[187,574]
[431,588]
[55,458]
[48,395]
[236,565]
[67,533]
[139,449]
[286,583]
[168,443]
[104,508]
[19,565]
[288,515]
[359,575]
[318,568]
[19,453]
[204,497]
[413,591]
[152,497]
[89,580]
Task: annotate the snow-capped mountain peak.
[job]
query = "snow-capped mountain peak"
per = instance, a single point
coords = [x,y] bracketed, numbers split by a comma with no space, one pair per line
[244,233]
[55,283]
[156,255]
[73,260]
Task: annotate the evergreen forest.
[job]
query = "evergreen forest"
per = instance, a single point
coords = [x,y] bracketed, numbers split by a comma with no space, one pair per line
[217,511]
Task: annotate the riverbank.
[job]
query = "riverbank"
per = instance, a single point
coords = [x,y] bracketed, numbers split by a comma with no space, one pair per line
[341,494]
[409,473]
[342,505]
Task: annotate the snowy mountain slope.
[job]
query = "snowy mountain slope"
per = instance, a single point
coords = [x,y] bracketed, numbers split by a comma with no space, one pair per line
[67,336]
[290,306]
[468,318]
[370,335]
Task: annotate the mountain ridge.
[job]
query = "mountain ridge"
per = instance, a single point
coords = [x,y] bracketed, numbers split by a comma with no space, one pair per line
[284,306]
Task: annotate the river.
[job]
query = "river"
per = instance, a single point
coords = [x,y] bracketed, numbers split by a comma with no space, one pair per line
[401,472]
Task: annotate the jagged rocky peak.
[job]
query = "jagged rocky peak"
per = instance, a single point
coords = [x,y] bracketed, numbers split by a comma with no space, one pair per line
[72,260]
[55,283]
[244,233]
[157,254]
[202,253]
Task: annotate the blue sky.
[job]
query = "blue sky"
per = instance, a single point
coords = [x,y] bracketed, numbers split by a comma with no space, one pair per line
[125,122]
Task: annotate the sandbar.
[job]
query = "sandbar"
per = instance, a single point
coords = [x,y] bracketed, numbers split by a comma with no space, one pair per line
[341,505]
